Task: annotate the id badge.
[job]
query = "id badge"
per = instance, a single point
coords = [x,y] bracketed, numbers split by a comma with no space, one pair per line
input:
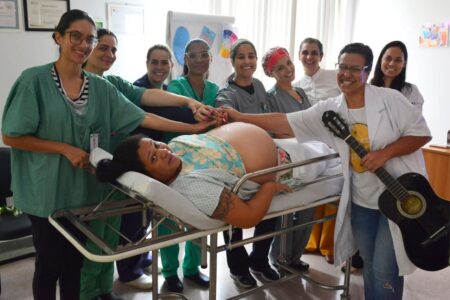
[94,141]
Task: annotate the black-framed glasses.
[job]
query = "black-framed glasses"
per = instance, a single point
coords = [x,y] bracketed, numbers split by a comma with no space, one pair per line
[76,38]
[341,68]
[204,55]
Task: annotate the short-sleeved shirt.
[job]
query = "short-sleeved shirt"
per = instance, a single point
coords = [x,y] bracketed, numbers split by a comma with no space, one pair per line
[321,86]
[241,100]
[163,111]
[132,92]
[282,101]
[45,182]
[204,152]
[413,94]
[181,86]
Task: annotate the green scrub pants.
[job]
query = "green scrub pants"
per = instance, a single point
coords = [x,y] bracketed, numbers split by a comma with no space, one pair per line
[169,257]
[97,278]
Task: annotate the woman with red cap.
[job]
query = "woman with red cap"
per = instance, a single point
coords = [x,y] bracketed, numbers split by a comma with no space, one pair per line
[285,98]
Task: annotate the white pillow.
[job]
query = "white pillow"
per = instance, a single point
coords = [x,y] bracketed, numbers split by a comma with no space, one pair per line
[299,152]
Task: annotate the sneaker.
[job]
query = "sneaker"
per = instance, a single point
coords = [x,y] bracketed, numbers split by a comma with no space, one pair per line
[174,284]
[144,282]
[109,296]
[148,269]
[266,272]
[357,263]
[244,280]
[300,266]
[199,278]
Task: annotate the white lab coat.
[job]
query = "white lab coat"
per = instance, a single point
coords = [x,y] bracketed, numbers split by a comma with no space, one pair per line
[389,116]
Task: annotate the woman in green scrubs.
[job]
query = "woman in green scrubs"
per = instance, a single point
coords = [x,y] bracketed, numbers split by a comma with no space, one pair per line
[53,116]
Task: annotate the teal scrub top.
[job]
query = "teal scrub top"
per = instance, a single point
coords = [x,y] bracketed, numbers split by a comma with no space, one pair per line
[45,182]
[181,86]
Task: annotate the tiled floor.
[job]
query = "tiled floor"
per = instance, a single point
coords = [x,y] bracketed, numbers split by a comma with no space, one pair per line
[16,284]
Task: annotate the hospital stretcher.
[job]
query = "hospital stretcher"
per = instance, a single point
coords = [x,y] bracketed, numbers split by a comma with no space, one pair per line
[193,225]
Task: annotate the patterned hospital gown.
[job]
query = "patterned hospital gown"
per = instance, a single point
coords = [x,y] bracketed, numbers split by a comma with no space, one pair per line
[200,154]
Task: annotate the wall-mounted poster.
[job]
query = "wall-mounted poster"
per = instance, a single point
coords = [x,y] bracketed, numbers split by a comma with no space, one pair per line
[217,31]
[435,35]
[126,19]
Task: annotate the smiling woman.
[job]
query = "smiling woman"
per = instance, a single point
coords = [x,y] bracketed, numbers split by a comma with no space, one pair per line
[104,55]
[64,108]
[286,98]
[390,72]
[193,82]
[243,92]
[159,64]
[102,58]
[398,131]
[283,96]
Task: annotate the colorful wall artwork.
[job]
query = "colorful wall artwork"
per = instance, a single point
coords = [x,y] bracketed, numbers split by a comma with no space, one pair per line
[228,38]
[180,39]
[433,36]
[208,35]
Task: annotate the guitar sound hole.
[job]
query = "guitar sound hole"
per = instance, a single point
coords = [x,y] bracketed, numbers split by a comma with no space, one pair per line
[412,207]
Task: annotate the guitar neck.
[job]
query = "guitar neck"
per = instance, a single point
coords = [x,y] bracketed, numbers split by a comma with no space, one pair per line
[394,187]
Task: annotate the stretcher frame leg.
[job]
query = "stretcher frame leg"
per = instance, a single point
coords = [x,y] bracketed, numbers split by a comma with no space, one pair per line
[185,233]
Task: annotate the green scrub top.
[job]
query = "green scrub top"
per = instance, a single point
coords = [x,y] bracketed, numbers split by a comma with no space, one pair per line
[181,86]
[45,182]
[130,91]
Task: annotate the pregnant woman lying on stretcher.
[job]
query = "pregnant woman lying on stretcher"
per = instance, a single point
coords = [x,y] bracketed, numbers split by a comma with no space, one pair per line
[205,167]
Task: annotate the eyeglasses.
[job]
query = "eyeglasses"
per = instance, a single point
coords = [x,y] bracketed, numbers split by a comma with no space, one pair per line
[76,38]
[202,55]
[341,68]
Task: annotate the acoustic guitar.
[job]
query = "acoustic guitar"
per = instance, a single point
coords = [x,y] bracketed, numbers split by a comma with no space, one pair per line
[410,202]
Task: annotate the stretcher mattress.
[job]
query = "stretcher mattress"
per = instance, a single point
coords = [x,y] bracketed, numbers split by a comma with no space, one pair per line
[173,202]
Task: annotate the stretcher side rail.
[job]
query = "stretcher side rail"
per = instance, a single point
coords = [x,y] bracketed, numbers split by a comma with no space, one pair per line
[291,273]
[139,203]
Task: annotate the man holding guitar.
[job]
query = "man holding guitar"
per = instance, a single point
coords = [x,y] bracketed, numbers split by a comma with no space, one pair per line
[392,132]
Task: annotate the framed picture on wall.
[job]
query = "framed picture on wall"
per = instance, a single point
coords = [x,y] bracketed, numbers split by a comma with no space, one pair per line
[43,15]
[9,14]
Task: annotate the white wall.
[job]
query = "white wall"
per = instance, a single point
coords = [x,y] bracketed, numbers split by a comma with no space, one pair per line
[21,49]
[376,23]
[379,22]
